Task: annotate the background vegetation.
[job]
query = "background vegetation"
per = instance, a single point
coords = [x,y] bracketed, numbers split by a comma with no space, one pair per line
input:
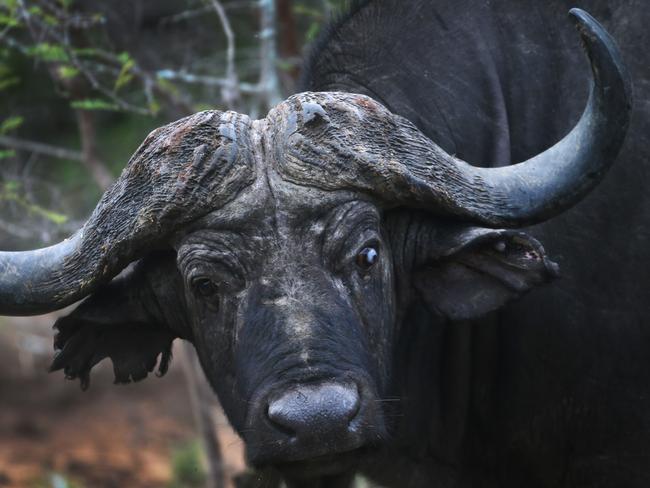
[82,82]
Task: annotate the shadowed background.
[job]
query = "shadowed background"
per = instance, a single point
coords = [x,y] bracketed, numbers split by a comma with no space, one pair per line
[81,85]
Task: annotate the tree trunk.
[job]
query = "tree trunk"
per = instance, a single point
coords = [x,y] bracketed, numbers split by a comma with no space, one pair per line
[202,400]
[88,136]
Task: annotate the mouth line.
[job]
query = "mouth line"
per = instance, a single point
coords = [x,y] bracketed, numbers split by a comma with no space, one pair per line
[325,464]
[321,458]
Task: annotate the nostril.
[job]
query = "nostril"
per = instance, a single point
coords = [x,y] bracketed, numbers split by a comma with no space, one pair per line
[314,408]
[279,419]
[350,403]
[356,406]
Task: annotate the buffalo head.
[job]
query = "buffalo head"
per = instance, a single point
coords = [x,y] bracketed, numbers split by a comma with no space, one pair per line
[290,251]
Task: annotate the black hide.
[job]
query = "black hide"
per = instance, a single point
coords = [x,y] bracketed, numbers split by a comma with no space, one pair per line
[557,392]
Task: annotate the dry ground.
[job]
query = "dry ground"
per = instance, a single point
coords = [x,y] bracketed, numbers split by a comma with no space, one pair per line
[110,436]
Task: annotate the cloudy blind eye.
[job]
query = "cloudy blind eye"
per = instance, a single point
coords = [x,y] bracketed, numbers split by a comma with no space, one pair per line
[367,258]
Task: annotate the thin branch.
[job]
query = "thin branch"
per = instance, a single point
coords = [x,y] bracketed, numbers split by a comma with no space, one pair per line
[95,84]
[268,56]
[42,230]
[230,92]
[87,157]
[41,148]
[168,74]
[184,15]
[27,18]
[114,65]
[85,120]
[198,12]
[5,30]
[64,42]
[16,230]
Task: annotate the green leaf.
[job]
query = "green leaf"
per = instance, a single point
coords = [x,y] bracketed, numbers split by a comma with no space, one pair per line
[187,466]
[201,106]
[11,123]
[10,191]
[93,104]
[168,86]
[66,72]
[285,65]
[125,74]
[54,217]
[85,51]
[48,52]
[8,82]
[124,57]
[11,186]
[312,32]
[50,20]
[7,153]
[8,21]
[66,3]
[154,107]
[306,11]
[9,4]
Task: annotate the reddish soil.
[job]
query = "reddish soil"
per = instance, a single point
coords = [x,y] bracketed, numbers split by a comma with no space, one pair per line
[109,436]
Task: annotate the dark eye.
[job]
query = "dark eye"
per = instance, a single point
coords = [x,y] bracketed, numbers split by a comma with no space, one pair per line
[205,287]
[367,258]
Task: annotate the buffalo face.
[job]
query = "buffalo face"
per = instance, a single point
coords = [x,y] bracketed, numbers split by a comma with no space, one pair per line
[292,305]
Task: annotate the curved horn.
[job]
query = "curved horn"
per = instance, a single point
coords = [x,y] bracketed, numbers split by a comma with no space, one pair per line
[180,172]
[339,140]
[559,177]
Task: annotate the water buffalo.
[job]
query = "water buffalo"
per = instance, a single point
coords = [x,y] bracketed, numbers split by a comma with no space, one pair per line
[338,272]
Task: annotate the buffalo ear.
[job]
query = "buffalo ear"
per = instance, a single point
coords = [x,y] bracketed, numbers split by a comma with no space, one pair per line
[476,271]
[126,320]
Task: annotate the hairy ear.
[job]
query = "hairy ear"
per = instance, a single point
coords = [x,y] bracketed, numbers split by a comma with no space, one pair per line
[474,270]
[461,271]
[132,320]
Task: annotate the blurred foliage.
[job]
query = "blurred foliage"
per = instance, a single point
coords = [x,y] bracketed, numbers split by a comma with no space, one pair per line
[130,66]
[10,191]
[11,123]
[188,470]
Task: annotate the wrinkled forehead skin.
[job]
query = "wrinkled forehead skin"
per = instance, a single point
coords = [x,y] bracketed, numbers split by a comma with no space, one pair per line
[299,157]
[301,154]
[314,139]
[338,141]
